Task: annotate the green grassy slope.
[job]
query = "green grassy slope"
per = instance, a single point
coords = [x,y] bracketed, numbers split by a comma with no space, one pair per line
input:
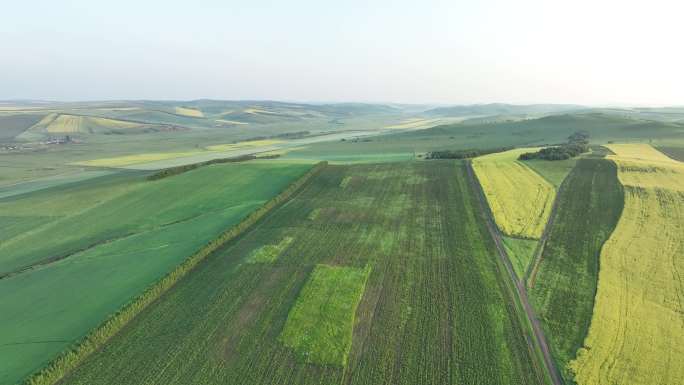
[525,133]
[13,125]
[565,284]
[130,233]
[554,171]
[676,153]
[495,109]
[434,309]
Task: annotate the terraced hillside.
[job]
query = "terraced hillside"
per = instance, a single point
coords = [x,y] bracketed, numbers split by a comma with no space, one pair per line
[393,269]
[637,328]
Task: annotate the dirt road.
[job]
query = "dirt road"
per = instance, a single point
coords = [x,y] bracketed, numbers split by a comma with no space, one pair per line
[519,285]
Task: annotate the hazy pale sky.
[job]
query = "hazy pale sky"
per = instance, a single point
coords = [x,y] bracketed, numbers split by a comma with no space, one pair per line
[430,51]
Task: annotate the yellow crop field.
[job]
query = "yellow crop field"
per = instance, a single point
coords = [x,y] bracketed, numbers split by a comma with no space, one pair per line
[66,124]
[639,151]
[191,112]
[73,123]
[520,199]
[243,145]
[258,111]
[231,122]
[414,123]
[643,166]
[112,123]
[128,160]
[637,328]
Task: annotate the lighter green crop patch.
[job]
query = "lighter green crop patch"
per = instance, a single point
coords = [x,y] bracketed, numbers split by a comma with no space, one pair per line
[269,253]
[521,252]
[313,215]
[345,181]
[320,324]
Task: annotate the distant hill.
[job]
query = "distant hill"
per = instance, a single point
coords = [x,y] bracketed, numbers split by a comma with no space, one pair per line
[537,123]
[602,127]
[494,109]
[29,121]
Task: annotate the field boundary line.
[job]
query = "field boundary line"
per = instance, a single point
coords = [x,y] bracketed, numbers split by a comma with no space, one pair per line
[63,256]
[70,358]
[177,170]
[541,344]
[531,272]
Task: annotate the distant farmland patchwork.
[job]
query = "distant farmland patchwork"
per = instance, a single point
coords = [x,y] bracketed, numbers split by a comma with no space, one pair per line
[637,328]
[403,239]
[69,260]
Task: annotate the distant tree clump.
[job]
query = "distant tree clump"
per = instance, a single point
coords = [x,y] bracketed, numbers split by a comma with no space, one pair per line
[463,154]
[578,143]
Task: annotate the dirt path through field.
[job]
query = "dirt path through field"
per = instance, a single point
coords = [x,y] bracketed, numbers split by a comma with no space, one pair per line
[519,284]
[531,272]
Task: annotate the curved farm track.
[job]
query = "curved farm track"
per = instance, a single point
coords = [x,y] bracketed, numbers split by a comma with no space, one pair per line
[531,273]
[519,285]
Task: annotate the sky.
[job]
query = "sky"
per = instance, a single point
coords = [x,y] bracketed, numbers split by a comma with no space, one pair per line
[592,52]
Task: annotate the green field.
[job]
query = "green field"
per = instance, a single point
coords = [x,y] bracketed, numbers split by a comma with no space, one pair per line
[676,153]
[91,246]
[563,293]
[521,252]
[12,125]
[553,171]
[434,310]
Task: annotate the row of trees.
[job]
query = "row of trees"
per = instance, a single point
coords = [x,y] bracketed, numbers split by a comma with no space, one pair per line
[578,143]
[187,167]
[463,154]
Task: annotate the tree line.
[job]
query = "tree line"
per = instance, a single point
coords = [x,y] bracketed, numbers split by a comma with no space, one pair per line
[187,167]
[464,154]
[578,143]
